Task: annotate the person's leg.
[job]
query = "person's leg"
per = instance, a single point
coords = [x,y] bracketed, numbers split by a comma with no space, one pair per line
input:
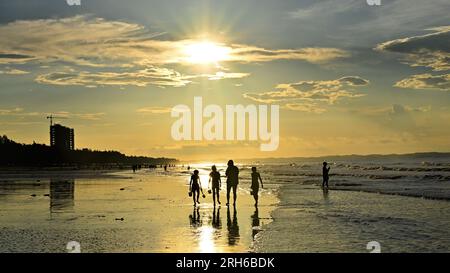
[234,194]
[193,197]
[217,192]
[198,195]
[228,194]
[214,196]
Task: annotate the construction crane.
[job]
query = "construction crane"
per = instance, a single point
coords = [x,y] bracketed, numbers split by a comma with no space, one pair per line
[51,117]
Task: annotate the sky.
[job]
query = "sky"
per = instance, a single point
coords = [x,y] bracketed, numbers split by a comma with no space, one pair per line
[349,78]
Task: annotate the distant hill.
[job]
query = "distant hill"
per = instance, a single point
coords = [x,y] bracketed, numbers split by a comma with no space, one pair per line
[12,153]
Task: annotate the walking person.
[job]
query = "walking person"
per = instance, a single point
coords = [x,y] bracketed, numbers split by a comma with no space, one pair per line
[256,178]
[325,174]
[214,180]
[232,174]
[195,188]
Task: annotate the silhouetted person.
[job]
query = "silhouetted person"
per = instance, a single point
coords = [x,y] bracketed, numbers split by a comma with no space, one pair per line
[134,168]
[325,175]
[214,179]
[194,187]
[189,168]
[232,174]
[165,168]
[256,178]
[233,227]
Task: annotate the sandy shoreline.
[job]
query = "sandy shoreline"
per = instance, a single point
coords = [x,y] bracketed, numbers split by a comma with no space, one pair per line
[119,211]
[144,212]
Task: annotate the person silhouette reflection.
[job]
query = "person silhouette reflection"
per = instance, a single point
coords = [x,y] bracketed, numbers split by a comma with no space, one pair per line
[233,227]
[62,195]
[255,223]
[216,221]
[195,218]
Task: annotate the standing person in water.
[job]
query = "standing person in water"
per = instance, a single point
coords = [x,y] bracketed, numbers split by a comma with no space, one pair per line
[325,175]
[232,174]
[214,177]
[256,178]
[195,187]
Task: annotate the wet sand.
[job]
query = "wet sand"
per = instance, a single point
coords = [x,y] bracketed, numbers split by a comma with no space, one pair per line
[149,211]
[309,219]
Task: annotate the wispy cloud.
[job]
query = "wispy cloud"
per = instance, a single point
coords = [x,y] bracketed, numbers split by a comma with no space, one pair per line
[430,50]
[139,54]
[154,110]
[426,81]
[13,71]
[87,41]
[305,106]
[303,95]
[224,75]
[154,75]
[20,112]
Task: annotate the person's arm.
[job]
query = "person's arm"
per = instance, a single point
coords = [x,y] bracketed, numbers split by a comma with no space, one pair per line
[209,181]
[260,179]
[190,184]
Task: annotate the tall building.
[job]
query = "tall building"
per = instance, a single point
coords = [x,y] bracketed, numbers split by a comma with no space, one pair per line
[62,138]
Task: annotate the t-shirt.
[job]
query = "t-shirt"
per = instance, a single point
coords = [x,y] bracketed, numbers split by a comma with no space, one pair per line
[232,174]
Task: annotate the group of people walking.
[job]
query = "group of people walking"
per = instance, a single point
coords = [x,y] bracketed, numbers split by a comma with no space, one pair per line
[215,183]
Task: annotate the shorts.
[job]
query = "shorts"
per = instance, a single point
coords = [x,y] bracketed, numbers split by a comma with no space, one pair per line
[195,187]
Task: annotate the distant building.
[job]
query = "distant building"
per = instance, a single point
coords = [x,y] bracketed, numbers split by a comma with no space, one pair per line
[62,138]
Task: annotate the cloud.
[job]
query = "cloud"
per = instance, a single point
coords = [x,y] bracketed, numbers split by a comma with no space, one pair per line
[318,91]
[430,50]
[324,9]
[11,111]
[225,75]
[141,78]
[426,81]
[12,71]
[304,107]
[83,116]
[246,53]
[97,42]
[154,110]
[20,112]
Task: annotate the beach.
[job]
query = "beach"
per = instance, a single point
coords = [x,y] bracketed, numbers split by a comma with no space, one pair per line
[146,211]
[404,207]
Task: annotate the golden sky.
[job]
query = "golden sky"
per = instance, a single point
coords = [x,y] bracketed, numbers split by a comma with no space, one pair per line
[349,78]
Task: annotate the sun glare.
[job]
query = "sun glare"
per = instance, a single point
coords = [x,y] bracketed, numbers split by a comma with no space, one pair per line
[206,52]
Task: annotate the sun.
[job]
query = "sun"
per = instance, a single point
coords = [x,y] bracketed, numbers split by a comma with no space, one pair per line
[206,52]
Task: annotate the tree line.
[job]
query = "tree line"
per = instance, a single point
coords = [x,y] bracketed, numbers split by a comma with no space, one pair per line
[13,153]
